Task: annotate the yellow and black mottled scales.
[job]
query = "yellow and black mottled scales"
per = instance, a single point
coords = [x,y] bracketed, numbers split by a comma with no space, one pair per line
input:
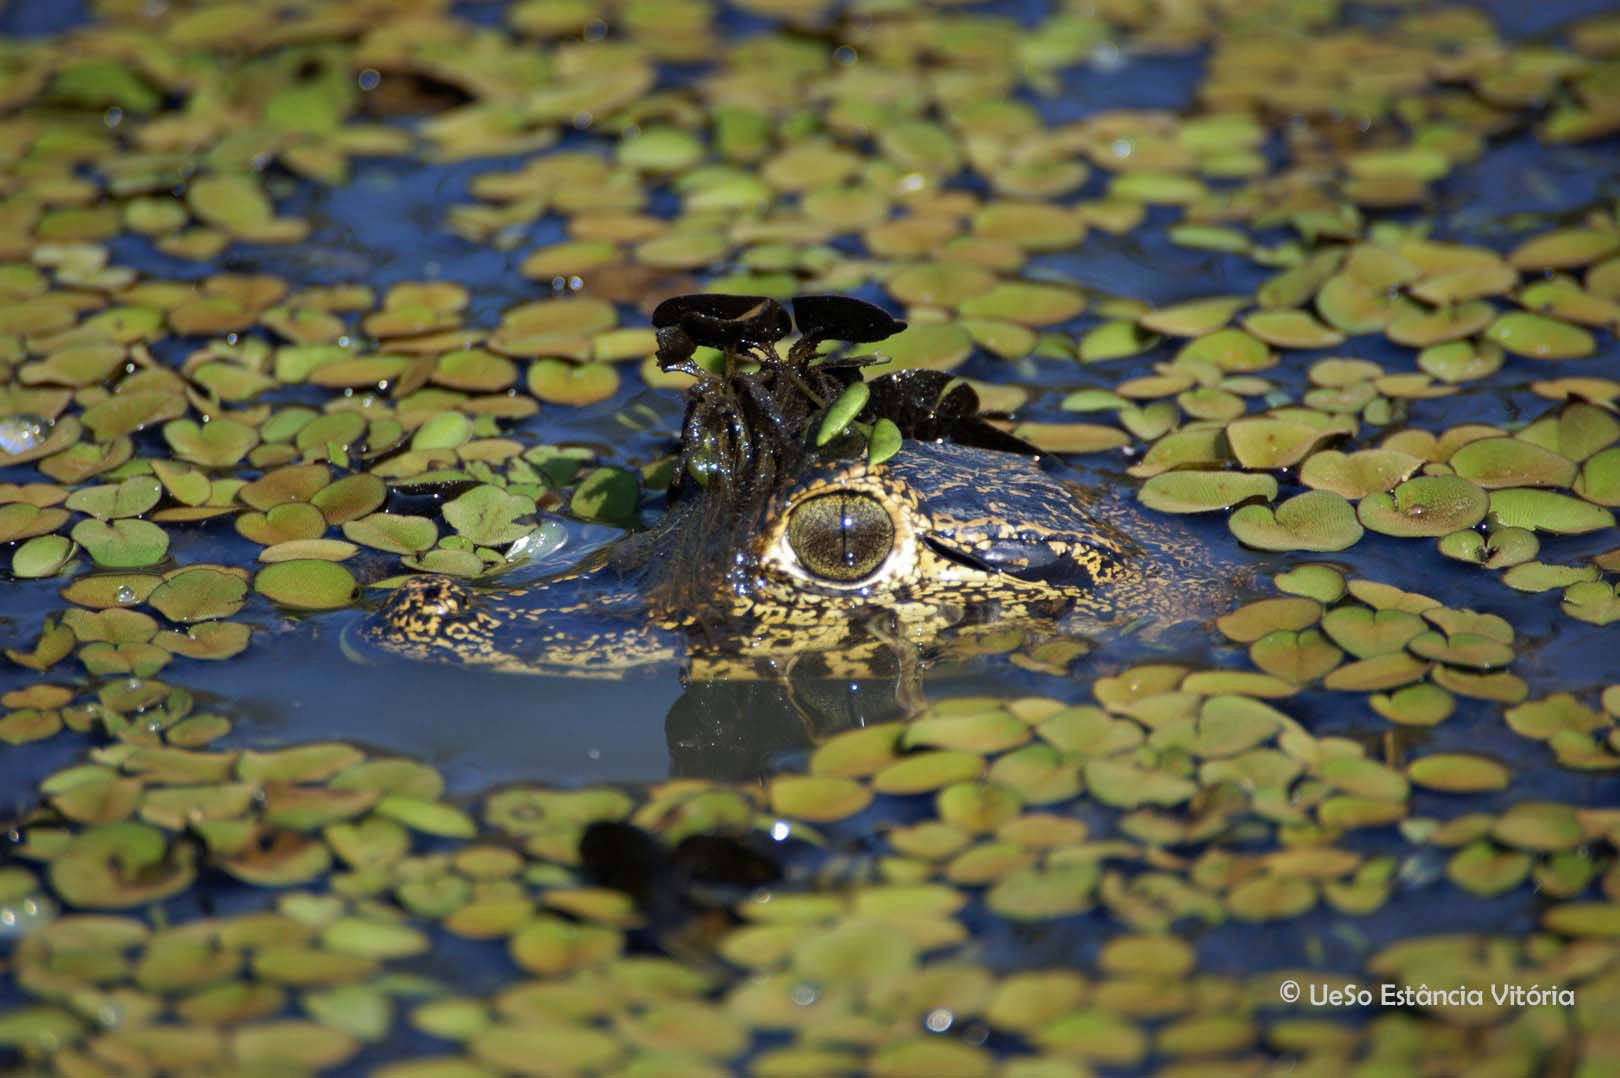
[979,538]
[786,539]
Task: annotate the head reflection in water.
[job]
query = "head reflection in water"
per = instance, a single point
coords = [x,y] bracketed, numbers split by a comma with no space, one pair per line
[805,541]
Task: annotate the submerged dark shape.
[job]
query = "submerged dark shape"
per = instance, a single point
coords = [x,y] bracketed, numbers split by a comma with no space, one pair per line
[685,892]
[777,550]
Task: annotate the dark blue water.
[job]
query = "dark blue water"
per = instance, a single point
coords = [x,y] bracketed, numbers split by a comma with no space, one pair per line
[387,225]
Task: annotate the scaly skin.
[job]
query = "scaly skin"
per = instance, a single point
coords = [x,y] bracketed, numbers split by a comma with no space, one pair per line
[983,542]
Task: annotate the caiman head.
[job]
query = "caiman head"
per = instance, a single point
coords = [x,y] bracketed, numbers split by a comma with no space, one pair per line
[814,516]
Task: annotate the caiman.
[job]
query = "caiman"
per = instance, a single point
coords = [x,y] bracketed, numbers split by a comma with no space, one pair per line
[816,517]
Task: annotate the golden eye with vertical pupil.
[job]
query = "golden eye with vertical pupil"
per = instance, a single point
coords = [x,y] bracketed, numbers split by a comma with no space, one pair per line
[840,536]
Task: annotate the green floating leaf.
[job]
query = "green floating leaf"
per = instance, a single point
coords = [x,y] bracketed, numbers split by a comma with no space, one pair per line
[1461,361]
[1356,475]
[1538,825]
[1511,462]
[843,411]
[130,498]
[206,640]
[393,532]
[1271,898]
[1414,705]
[1584,919]
[122,544]
[199,595]
[1458,773]
[1462,649]
[1115,340]
[487,515]
[308,584]
[1366,633]
[232,201]
[429,817]
[1539,576]
[1483,868]
[1564,248]
[1547,511]
[1072,437]
[1291,329]
[350,498]
[1323,583]
[1228,350]
[1200,492]
[1249,623]
[661,149]
[1428,505]
[216,444]
[41,556]
[1264,442]
[1539,337]
[282,523]
[447,430]
[19,520]
[609,495]
[132,410]
[1593,601]
[1497,549]
[121,865]
[1300,657]
[557,381]
[1600,478]
[1316,520]
[1195,317]
[1032,894]
[884,443]
[818,798]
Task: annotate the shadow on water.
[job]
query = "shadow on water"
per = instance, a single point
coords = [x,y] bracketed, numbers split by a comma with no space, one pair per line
[484,729]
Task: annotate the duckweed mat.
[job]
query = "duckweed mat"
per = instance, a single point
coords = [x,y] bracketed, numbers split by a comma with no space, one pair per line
[298,300]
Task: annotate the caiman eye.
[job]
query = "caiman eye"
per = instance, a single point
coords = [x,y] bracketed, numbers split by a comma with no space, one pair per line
[841,536]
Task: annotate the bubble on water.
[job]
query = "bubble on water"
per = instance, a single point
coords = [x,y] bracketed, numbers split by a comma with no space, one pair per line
[938,1020]
[1108,56]
[125,595]
[804,994]
[25,915]
[20,433]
